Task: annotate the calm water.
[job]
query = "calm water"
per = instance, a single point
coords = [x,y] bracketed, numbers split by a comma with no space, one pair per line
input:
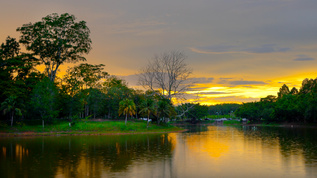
[203,151]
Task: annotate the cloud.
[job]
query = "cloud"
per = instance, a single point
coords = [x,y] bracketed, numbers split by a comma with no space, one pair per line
[303,58]
[197,88]
[240,82]
[223,49]
[225,78]
[214,93]
[227,99]
[245,82]
[201,80]
[267,48]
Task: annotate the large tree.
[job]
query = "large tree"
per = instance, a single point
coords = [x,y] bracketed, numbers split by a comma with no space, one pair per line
[55,40]
[167,73]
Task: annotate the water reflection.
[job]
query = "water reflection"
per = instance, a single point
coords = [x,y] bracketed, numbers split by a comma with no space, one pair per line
[247,151]
[203,151]
[84,156]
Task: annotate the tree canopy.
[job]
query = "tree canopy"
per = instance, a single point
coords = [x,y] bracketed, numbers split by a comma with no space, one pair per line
[56,39]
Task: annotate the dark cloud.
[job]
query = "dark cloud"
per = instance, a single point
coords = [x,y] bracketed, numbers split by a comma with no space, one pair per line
[240,82]
[245,82]
[304,59]
[229,99]
[266,48]
[201,80]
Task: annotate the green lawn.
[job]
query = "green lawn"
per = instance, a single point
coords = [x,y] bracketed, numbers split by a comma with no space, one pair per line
[88,127]
[231,122]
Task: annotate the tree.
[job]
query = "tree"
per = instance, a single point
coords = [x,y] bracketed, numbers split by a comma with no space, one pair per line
[84,76]
[43,99]
[165,109]
[148,106]
[294,91]
[269,98]
[95,100]
[55,40]
[284,90]
[308,86]
[127,107]
[82,81]
[10,106]
[168,73]
[16,69]
[116,90]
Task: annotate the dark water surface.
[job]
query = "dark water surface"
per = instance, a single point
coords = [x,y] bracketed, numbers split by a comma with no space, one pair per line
[203,151]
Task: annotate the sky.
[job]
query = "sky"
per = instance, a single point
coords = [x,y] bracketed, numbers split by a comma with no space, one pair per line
[239,50]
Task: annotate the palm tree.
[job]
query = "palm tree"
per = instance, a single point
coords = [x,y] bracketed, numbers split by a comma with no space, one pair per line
[148,106]
[164,109]
[9,106]
[127,107]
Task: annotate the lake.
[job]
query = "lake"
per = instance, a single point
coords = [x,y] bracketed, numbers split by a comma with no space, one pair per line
[202,151]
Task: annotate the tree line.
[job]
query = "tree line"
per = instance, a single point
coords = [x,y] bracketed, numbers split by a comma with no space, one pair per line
[290,105]
[85,91]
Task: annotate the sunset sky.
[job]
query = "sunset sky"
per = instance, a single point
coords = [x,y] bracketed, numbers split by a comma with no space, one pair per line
[239,50]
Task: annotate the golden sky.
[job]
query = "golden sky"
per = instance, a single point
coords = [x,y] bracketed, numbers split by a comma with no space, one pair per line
[239,50]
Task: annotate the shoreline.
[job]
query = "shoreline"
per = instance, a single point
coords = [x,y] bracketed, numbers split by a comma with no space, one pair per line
[79,133]
[286,125]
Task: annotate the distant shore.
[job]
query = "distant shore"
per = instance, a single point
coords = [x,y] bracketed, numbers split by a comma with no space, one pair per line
[237,123]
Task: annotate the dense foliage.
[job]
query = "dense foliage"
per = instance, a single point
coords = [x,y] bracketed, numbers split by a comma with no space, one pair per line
[289,105]
[85,91]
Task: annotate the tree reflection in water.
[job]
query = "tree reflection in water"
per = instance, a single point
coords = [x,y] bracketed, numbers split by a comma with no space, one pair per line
[79,156]
[201,152]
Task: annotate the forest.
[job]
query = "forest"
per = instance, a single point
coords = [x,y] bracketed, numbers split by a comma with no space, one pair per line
[85,91]
[299,106]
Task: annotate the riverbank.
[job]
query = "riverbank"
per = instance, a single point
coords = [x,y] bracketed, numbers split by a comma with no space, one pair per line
[87,128]
[259,124]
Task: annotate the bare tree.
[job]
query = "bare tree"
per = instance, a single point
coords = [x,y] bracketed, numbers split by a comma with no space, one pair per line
[166,73]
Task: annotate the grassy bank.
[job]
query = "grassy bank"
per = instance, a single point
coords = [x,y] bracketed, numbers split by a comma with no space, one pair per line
[87,127]
[231,122]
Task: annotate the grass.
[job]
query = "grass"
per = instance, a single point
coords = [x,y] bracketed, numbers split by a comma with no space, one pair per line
[218,116]
[231,122]
[87,127]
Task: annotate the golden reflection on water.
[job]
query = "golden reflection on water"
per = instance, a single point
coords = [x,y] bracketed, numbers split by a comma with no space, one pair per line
[209,144]
[219,151]
[215,152]
[84,168]
[20,152]
[4,151]
[227,151]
